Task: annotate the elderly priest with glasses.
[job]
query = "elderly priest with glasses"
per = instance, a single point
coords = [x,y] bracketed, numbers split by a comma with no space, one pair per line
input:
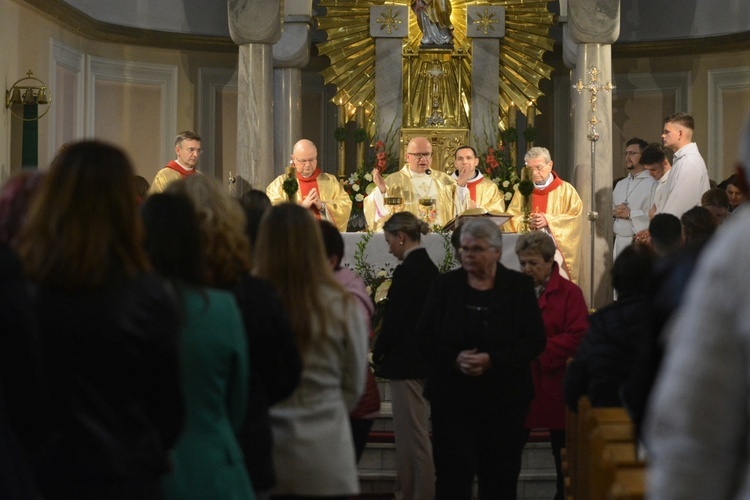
[305,184]
[428,194]
[556,209]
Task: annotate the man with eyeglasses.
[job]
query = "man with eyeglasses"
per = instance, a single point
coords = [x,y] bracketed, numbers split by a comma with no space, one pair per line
[317,191]
[428,194]
[632,197]
[556,209]
[187,147]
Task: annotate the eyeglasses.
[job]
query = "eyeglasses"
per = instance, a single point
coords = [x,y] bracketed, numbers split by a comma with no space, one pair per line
[539,167]
[310,161]
[631,153]
[419,156]
[473,250]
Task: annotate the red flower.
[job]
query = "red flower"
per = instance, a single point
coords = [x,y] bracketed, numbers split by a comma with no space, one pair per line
[379,146]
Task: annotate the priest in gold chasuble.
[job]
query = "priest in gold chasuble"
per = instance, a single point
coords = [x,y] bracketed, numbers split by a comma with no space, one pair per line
[474,190]
[556,209]
[428,194]
[307,185]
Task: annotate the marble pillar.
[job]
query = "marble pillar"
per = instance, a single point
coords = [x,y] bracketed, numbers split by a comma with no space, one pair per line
[254,25]
[388,26]
[287,115]
[486,26]
[290,54]
[593,29]
[255,155]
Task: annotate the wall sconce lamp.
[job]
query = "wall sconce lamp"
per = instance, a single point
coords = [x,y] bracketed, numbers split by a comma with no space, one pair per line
[25,91]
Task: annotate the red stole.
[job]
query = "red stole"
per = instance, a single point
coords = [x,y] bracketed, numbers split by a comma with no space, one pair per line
[182,171]
[540,195]
[306,184]
[472,185]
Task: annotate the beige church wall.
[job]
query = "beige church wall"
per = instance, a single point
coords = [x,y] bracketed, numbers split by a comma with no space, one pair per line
[125,109]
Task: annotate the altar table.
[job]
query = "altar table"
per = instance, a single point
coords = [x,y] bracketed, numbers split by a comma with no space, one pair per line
[378,256]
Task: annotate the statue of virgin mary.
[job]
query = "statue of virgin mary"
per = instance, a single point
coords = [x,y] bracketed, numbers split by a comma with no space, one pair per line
[434,19]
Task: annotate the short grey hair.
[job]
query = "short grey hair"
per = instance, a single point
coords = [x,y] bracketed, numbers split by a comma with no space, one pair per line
[536,241]
[483,229]
[536,152]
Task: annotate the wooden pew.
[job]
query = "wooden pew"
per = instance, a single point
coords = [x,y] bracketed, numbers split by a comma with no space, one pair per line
[629,484]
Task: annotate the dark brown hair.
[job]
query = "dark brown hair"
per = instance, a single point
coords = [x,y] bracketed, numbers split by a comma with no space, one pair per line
[83,230]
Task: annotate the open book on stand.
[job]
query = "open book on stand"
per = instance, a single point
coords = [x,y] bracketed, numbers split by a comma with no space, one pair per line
[471,213]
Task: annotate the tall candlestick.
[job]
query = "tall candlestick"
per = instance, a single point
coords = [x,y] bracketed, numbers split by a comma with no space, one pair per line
[512,110]
[360,114]
[342,144]
[530,117]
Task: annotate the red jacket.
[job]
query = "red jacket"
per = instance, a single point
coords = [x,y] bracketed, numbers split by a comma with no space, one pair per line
[566,319]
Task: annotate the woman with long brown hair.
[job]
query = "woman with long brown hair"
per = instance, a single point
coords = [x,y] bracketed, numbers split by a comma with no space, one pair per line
[109,329]
[313,446]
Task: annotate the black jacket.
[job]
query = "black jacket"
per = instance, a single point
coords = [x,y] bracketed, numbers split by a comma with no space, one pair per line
[513,336]
[111,356]
[396,353]
[607,353]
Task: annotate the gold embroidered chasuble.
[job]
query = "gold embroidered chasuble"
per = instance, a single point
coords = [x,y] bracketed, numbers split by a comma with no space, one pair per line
[485,194]
[337,202]
[564,220]
[401,184]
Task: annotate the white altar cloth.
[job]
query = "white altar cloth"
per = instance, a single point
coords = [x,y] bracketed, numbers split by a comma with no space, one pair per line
[378,256]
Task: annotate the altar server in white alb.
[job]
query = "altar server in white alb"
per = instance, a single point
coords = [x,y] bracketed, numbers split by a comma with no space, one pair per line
[697,429]
[632,198]
[688,179]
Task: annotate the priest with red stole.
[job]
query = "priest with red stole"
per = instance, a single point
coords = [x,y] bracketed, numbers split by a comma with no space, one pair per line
[556,209]
[187,147]
[306,185]
[474,190]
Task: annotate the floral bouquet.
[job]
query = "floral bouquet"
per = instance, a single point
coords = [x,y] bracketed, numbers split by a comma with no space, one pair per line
[497,166]
[359,184]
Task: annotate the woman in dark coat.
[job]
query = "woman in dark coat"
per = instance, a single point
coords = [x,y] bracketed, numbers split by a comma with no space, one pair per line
[397,356]
[480,330]
[109,330]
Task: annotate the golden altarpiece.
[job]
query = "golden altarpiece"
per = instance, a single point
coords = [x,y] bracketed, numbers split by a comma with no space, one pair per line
[441,84]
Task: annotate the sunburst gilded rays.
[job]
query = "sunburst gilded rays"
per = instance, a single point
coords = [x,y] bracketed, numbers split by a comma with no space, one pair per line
[352,51]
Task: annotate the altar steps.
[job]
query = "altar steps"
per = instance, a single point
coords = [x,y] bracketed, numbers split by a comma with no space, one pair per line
[377,472]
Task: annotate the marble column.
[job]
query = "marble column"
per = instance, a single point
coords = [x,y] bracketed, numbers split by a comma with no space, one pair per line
[486,26]
[388,26]
[594,28]
[290,54]
[254,25]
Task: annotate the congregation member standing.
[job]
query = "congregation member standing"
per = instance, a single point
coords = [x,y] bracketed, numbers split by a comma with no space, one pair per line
[313,449]
[428,194]
[368,407]
[305,184]
[688,179]
[480,330]
[397,356]
[632,197]
[207,459]
[187,147]
[109,329]
[697,425]
[556,209]
[275,363]
[565,321]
